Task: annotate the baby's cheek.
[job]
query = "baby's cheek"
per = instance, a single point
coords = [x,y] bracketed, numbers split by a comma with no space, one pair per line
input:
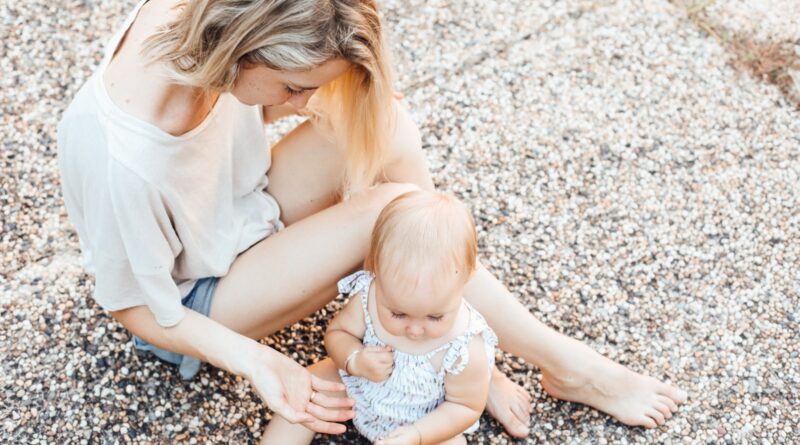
[436,330]
[392,326]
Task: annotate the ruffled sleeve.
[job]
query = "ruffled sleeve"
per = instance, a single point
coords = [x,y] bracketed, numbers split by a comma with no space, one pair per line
[354,283]
[457,357]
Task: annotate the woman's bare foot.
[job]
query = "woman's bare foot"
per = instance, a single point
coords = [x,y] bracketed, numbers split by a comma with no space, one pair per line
[510,404]
[632,398]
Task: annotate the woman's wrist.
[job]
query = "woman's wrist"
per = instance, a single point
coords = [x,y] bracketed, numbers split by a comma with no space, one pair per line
[249,356]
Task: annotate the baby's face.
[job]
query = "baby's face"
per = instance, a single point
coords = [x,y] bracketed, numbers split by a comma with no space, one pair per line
[422,312]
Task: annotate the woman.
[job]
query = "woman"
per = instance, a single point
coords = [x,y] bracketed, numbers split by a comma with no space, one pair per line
[164,160]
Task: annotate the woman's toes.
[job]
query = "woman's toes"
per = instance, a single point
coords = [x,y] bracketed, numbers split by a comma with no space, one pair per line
[677,395]
[663,409]
[656,415]
[522,414]
[646,422]
[525,404]
[518,429]
[525,395]
[669,402]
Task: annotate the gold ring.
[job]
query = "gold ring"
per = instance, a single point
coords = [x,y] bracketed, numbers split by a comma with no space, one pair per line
[313,393]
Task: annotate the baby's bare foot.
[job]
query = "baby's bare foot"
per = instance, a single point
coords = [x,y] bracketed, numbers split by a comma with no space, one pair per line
[510,404]
[632,398]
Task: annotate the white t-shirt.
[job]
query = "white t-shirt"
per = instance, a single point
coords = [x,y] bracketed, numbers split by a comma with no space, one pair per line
[155,212]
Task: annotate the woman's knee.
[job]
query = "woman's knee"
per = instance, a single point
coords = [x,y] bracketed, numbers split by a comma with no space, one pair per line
[381,195]
[406,140]
[407,161]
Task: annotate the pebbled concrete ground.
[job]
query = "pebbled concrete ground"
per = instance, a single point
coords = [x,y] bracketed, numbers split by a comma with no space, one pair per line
[630,187]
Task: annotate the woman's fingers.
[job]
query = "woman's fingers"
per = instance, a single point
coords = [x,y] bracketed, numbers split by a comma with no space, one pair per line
[282,408]
[319,384]
[327,401]
[325,427]
[330,414]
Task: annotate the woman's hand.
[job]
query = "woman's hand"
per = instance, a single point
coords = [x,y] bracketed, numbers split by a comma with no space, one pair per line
[288,389]
[405,435]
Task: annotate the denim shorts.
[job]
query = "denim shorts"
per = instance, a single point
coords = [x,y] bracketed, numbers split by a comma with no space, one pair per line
[198,300]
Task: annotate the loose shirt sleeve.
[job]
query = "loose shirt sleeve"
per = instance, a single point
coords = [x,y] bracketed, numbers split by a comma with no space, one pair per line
[134,247]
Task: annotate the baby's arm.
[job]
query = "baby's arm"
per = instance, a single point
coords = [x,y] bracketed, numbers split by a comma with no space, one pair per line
[465,400]
[344,336]
[345,331]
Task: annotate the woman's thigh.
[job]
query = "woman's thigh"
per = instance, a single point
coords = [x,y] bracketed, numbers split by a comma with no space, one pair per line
[306,173]
[292,273]
[307,169]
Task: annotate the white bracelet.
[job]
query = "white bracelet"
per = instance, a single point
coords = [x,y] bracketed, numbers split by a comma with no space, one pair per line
[349,359]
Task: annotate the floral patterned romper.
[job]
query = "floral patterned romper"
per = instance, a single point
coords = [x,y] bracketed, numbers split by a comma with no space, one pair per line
[414,388]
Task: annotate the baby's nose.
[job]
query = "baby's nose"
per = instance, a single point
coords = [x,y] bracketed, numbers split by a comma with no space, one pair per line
[415,330]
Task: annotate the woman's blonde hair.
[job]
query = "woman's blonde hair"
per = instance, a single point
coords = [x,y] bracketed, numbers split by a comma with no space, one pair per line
[205,46]
[423,231]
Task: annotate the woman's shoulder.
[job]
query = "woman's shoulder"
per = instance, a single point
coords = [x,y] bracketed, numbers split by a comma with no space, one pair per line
[139,86]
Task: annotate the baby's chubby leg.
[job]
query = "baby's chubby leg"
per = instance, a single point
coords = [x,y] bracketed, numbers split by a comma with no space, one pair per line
[280,432]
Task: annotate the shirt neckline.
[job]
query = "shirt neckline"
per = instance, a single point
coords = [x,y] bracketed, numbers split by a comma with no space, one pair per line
[123,116]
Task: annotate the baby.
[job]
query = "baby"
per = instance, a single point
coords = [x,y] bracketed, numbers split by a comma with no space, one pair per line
[413,354]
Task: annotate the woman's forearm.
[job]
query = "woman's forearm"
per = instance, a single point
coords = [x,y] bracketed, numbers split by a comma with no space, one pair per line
[197,336]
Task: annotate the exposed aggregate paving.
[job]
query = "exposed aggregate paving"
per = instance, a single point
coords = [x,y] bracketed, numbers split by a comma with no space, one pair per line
[629,187]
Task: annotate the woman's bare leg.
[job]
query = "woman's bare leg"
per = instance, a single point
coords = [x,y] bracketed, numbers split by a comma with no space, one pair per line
[571,370]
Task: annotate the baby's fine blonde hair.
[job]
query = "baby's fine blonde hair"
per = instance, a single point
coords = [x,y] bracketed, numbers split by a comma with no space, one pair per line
[422,232]
[205,46]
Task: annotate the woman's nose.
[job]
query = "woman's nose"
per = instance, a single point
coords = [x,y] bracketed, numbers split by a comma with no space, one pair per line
[300,100]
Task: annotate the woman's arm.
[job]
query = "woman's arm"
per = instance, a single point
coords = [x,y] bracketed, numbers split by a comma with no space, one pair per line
[465,400]
[284,385]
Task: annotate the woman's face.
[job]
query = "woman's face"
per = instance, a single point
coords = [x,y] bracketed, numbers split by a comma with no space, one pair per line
[259,85]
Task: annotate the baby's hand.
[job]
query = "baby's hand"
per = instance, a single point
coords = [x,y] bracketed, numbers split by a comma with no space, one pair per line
[405,435]
[374,363]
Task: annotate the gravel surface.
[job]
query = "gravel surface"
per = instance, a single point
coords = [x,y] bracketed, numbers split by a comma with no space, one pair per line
[629,187]
[763,19]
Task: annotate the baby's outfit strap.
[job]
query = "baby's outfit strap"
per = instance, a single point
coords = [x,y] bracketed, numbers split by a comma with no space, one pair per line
[354,282]
[358,282]
[457,356]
